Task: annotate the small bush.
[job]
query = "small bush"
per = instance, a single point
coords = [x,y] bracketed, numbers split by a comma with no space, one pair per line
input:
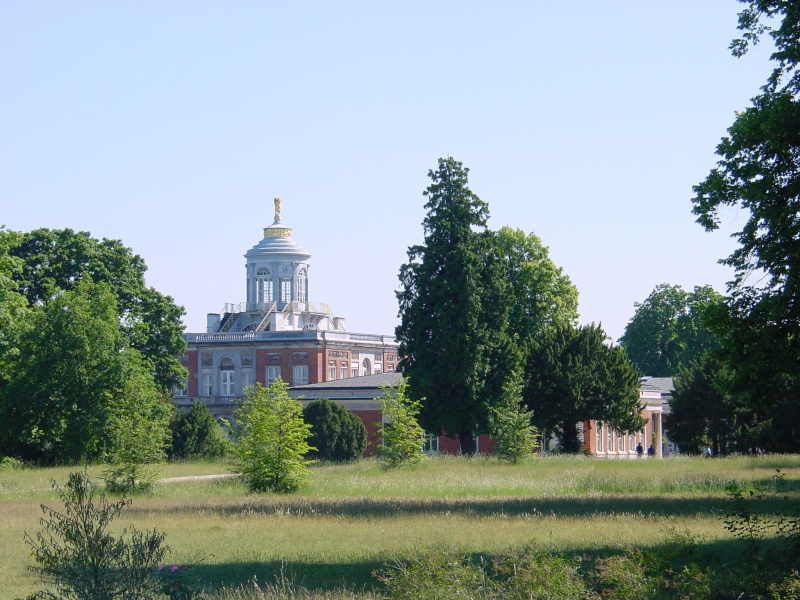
[337,434]
[78,556]
[401,435]
[6,462]
[196,434]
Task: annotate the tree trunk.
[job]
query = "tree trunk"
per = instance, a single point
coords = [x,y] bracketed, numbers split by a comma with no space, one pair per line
[467,442]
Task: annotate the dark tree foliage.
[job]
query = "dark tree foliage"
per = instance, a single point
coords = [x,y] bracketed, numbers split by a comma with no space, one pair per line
[759,171]
[196,434]
[574,376]
[337,434]
[701,413]
[53,261]
[452,336]
[670,330]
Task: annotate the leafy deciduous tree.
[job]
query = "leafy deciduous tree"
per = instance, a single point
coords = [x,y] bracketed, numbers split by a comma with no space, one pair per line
[49,262]
[139,428]
[574,376]
[759,171]
[671,329]
[272,439]
[67,378]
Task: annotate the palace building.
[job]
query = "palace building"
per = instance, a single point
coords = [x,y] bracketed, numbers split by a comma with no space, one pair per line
[279,332]
[276,332]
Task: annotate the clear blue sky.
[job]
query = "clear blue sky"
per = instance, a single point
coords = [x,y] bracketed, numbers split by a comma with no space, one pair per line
[172,125]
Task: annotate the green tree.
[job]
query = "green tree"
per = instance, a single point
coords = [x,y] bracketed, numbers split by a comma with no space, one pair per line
[540,293]
[80,557]
[272,439]
[450,332]
[68,377]
[13,307]
[337,434]
[513,433]
[49,262]
[758,174]
[196,434]
[401,434]
[702,414]
[139,427]
[671,329]
[574,376]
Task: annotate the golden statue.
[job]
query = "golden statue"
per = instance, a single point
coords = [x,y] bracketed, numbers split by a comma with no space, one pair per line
[277,210]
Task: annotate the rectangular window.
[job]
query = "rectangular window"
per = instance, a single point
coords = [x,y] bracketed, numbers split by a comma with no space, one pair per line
[301,289]
[430,443]
[273,373]
[354,373]
[612,436]
[600,436]
[286,290]
[265,293]
[208,385]
[332,372]
[179,389]
[300,375]
[247,380]
[227,379]
[344,373]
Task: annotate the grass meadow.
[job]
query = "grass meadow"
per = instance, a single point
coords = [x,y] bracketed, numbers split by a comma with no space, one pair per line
[353,519]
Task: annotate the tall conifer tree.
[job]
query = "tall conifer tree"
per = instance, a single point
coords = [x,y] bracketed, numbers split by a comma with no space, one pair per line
[446,334]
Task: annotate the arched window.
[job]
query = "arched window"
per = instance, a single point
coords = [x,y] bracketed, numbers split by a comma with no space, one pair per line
[366,367]
[227,376]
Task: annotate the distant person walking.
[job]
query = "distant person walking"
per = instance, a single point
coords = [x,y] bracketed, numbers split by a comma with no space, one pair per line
[650,451]
[639,450]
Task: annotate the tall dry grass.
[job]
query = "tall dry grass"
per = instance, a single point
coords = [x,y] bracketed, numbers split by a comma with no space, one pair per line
[353,519]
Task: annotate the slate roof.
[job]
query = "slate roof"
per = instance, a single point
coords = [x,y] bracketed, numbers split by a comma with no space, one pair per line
[365,381]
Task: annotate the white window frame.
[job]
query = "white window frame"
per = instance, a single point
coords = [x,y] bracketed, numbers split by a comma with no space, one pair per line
[273,372]
[302,289]
[286,289]
[300,375]
[600,436]
[247,380]
[430,443]
[227,382]
[207,387]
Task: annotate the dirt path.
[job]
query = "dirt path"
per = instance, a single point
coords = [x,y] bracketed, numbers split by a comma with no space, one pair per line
[197,478]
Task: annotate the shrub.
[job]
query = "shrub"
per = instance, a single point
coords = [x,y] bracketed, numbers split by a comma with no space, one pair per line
[337,434]
[513,432]
[538,575]
[439,573]
[401,435]
[78,556]
[272,440]
[196,434]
